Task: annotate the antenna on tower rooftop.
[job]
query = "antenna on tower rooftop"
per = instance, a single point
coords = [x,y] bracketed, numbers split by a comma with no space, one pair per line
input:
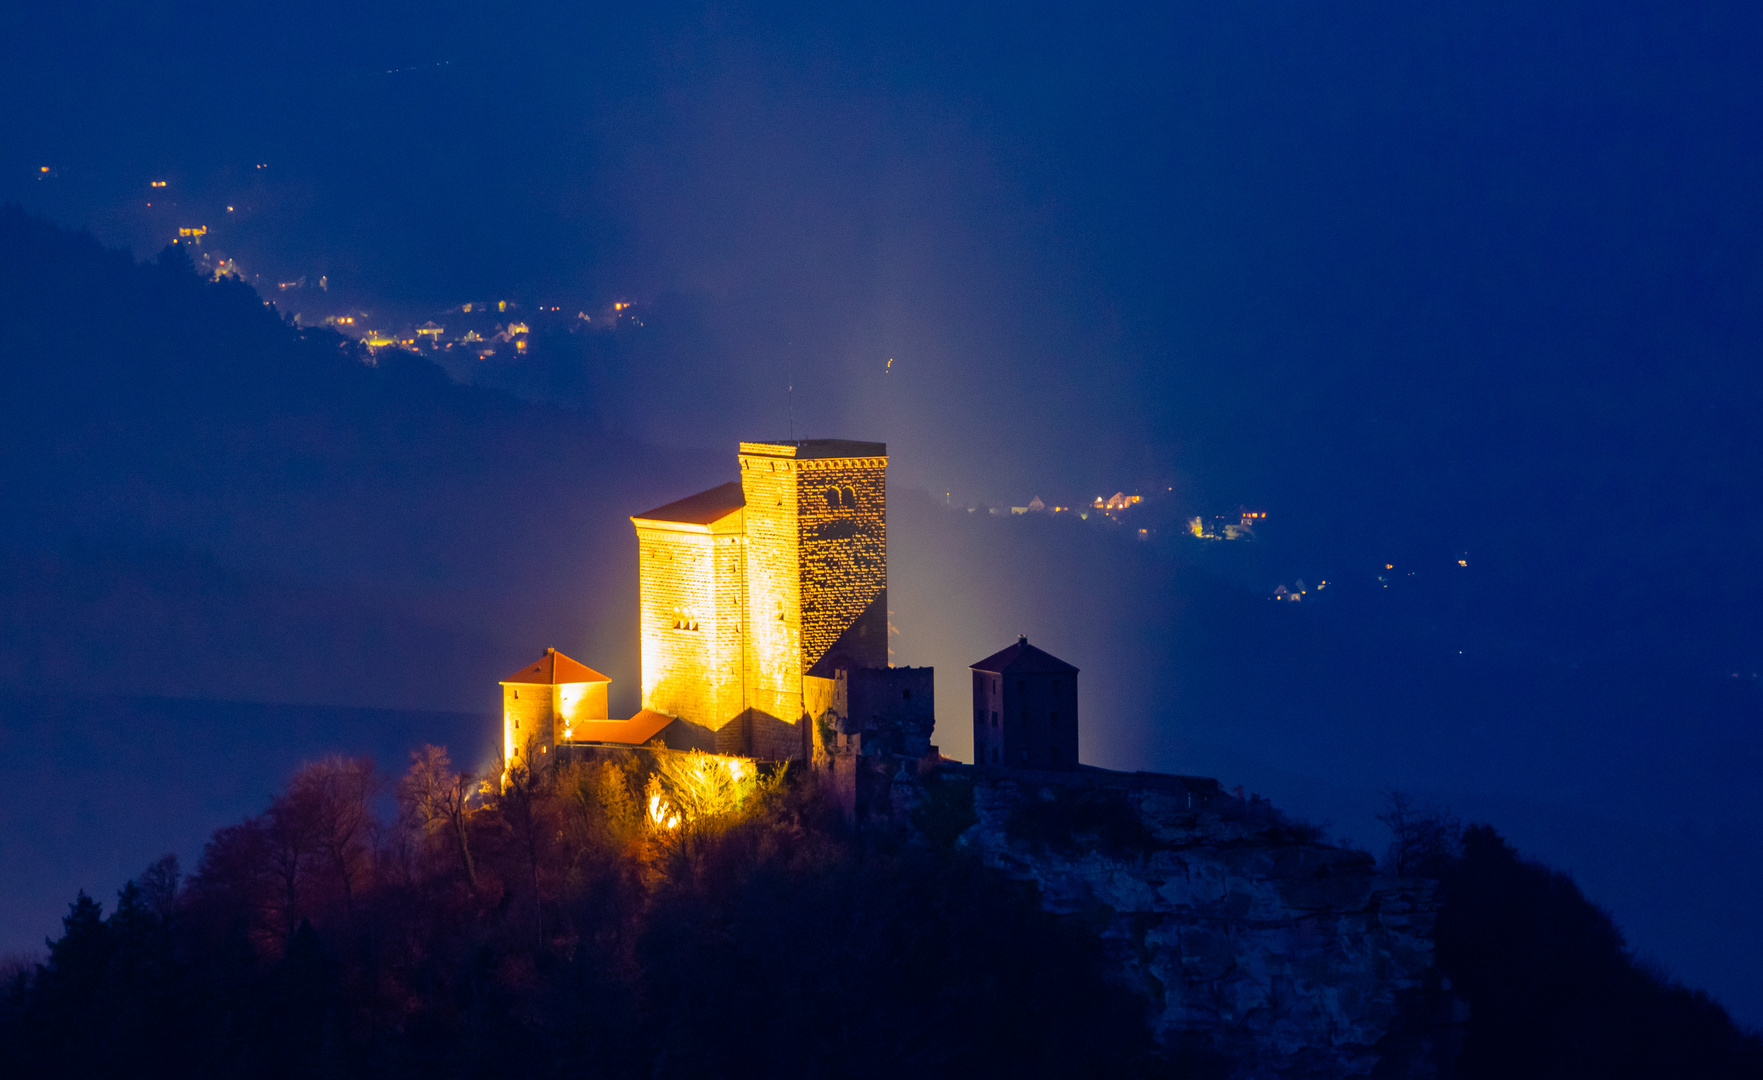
[790,395]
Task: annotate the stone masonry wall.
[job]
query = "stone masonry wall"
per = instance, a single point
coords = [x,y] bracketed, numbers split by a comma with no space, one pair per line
[894,709]
[844,553]
[676,622]
[816,547]
[774,603]
[728,644]
[528,710]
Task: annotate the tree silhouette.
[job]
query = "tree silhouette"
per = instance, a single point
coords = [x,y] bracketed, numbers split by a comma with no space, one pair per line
[439,800]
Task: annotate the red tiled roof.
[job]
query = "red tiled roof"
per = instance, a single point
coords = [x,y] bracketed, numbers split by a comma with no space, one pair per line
[636,731]
[700,509]
[1022,659]
[554,668]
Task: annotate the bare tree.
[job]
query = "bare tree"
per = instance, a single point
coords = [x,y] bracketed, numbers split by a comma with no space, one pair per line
[439,799]
[1423,838]
[284,836]
[335,798]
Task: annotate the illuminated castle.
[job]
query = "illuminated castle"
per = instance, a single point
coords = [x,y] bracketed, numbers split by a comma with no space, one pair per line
[763,609]
[759,597]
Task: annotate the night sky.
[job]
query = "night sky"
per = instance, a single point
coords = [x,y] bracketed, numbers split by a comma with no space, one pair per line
[1477,282]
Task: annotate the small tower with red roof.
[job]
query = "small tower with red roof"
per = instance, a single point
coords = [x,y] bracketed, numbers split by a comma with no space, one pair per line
[543,702]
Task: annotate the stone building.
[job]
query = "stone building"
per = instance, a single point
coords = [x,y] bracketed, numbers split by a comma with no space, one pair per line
[756,594]
[558,706]
[1025,709]
[870,710]
[543,704]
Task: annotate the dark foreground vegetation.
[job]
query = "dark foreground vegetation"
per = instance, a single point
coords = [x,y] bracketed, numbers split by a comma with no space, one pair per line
[554,930]
[632,920]
[1549,987]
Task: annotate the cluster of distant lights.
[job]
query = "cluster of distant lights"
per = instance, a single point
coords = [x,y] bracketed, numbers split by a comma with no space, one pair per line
[194,233]
[198,231]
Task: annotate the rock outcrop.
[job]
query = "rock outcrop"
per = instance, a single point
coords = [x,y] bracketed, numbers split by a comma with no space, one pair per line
[1255,942]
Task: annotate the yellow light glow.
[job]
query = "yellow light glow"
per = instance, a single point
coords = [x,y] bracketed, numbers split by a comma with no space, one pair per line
[1462,562]
[693,789]
[156,183]
[661,813]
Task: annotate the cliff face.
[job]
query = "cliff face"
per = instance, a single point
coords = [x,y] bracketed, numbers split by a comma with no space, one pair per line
[1251,939]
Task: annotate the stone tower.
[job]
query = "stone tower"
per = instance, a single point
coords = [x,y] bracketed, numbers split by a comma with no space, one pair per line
[543,701]
[751,589]
[692,560]
[1025,709]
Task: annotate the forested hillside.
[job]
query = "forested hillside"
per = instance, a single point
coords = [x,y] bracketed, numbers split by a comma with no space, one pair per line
[686,917]
[204,500]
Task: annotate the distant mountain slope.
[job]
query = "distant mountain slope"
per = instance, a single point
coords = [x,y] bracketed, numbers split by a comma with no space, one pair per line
[202,499]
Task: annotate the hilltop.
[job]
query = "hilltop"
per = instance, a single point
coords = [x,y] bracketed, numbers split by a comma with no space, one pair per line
[678,915]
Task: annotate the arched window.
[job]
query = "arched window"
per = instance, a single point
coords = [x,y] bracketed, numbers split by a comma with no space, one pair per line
[832,498]
[850,499]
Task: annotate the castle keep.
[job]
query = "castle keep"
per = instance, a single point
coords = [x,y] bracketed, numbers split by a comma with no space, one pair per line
[755,595]
[763,619]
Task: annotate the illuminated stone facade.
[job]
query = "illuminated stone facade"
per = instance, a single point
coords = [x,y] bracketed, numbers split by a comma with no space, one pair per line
[691,557]
[544,703]
[753,595]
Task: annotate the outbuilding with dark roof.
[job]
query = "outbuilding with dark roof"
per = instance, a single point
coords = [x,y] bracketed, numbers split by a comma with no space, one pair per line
[1025,709]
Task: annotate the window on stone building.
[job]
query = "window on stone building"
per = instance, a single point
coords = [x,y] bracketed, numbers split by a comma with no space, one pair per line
[832,498]
[994,718]
[850,499]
